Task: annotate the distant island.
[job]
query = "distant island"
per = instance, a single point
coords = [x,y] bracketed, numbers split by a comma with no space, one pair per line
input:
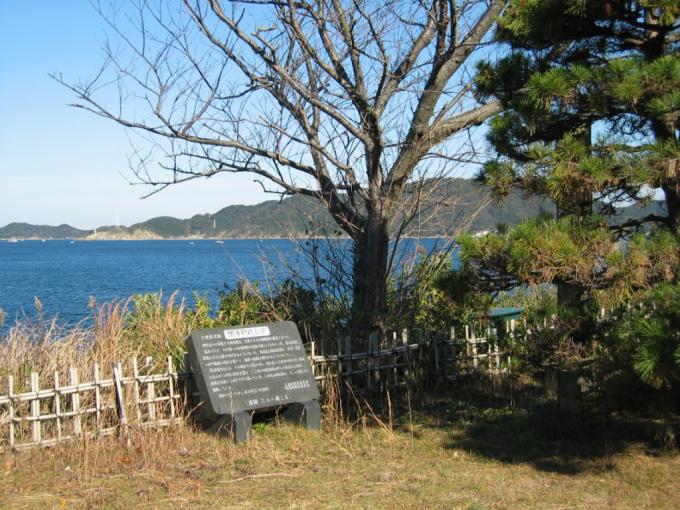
[451,205]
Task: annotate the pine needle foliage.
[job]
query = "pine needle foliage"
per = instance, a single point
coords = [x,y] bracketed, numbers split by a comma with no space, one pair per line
[652,335]
[573,250]
[592,97]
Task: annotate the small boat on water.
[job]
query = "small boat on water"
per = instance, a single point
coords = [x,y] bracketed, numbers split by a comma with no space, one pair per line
[192,242]
[219,242]
[12,240]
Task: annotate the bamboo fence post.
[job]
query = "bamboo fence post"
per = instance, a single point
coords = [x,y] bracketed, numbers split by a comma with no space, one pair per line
[186,385]
[135,388]
[513,325]
[150,392]
[453,349]
[490,345]
[312,355]
[493,337]
[339,361]
[315,365]
[120,403]
[35,409]
[349,366]
[75,402]
[437,358]
[57,404]
[418,358]
[370,361]
[97,396]
[475,351]
[395,359]
[373,367]
[498,358]
[468,347]
[171,386]
[10,393]
[407,354]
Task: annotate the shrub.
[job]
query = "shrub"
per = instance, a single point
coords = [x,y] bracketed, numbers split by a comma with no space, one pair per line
[423,296]
[244,304]
[650,338]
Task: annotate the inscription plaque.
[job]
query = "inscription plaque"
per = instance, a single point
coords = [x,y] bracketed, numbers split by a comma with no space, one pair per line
[238,370]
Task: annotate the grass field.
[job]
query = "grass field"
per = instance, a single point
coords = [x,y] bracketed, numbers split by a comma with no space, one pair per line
[468,451]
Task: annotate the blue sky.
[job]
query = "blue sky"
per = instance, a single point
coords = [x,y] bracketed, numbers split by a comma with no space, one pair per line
[62,165]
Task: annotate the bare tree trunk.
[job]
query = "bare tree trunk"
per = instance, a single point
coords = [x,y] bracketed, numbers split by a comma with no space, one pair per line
[568,296]
[370,272]
[673,208]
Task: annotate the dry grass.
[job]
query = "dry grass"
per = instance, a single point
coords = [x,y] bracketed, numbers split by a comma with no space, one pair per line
[445,454]
[115,331]
[288,467]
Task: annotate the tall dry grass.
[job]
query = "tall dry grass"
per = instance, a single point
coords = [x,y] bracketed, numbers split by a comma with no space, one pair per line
[115,331]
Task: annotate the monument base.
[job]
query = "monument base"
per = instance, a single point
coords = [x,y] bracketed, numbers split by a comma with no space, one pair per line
[307,414]
[236,426]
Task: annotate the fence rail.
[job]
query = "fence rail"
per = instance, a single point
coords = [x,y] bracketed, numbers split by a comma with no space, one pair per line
[102,406]
[43,411]
[379,367]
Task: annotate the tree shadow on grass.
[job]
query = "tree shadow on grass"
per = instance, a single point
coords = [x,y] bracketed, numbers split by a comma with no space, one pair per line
[545,439]
[527,429]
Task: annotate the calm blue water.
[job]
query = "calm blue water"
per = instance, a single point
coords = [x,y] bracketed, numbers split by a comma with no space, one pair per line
[65,275]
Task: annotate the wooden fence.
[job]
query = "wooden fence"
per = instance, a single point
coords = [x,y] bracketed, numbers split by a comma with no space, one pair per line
[409,357]
[44,411]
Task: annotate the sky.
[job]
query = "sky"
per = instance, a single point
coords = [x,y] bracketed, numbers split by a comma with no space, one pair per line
[59,164]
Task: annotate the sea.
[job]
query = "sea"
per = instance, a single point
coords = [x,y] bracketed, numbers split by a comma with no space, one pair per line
[63,279]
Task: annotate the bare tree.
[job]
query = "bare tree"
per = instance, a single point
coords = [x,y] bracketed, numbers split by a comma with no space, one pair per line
[346,101]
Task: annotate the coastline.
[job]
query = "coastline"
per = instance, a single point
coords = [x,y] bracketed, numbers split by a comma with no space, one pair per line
[191,238]
[200,238]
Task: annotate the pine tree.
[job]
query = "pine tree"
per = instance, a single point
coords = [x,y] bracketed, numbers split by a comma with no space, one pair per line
[592,96]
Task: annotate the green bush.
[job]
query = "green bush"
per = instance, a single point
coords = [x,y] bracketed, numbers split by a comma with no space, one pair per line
[650,337]
[419,297]
[244,304]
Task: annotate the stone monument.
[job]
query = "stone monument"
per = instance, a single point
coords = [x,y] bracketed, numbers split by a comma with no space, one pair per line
[240,370]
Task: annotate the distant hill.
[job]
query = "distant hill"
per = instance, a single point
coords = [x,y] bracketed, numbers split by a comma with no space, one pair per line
[272,218]
[445,209]
[447,206]
[28,231]
[654,207]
